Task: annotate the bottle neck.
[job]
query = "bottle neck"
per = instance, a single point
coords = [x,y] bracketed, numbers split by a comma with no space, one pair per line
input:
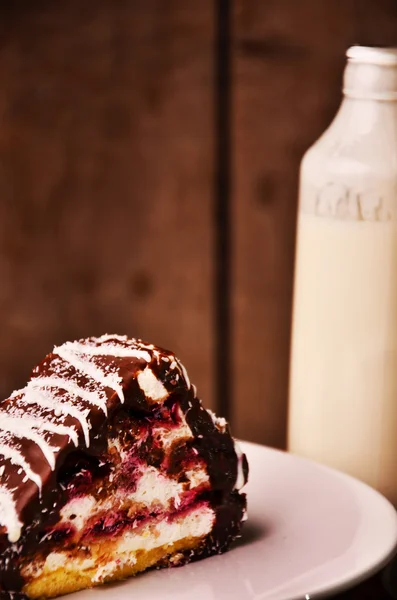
[371,74]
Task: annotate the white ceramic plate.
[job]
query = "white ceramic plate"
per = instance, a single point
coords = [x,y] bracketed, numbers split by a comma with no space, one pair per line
[311,532]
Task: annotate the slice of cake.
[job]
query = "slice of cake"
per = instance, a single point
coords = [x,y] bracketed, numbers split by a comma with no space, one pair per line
[109,465]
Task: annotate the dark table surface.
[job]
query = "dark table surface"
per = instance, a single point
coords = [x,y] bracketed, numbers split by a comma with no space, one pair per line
[374,587]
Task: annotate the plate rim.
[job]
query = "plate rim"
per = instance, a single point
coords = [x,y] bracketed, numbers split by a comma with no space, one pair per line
[351,580]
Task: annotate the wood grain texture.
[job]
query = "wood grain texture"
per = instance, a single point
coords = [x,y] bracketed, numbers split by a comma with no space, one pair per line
[288,59]
[106,178]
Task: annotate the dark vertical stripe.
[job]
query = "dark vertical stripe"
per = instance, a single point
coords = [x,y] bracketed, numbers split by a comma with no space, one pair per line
[222,207]
[360,24]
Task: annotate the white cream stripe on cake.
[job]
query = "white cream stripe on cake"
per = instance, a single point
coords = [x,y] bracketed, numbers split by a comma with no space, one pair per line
[60,405]
[131,348]
[146,351]
[96,398]
[22,428]
[16,458]
[25,426]
[8,515]
[106,337]
[42,424]
[107,350]
[83,364]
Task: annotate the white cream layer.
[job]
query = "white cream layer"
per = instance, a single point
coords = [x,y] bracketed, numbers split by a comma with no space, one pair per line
[196,524]
[169,435]
[153,491]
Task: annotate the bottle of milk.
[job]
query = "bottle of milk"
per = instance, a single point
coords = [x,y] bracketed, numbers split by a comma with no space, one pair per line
[343,380]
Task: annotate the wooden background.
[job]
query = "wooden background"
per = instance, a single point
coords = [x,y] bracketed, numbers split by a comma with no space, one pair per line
[149,154]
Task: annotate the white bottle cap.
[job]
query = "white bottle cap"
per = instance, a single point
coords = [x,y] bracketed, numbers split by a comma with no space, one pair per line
[373,56]
[371,73]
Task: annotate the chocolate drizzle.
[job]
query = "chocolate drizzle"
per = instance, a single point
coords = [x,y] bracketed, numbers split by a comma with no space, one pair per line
[73,397]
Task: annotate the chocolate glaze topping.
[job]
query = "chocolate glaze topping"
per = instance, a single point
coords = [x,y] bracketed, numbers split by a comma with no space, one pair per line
[72,398]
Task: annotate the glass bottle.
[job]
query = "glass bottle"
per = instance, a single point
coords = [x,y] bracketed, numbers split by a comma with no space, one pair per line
[343,377]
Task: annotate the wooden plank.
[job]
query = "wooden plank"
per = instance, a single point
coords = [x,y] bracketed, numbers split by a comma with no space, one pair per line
[106,153]
[288,59]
